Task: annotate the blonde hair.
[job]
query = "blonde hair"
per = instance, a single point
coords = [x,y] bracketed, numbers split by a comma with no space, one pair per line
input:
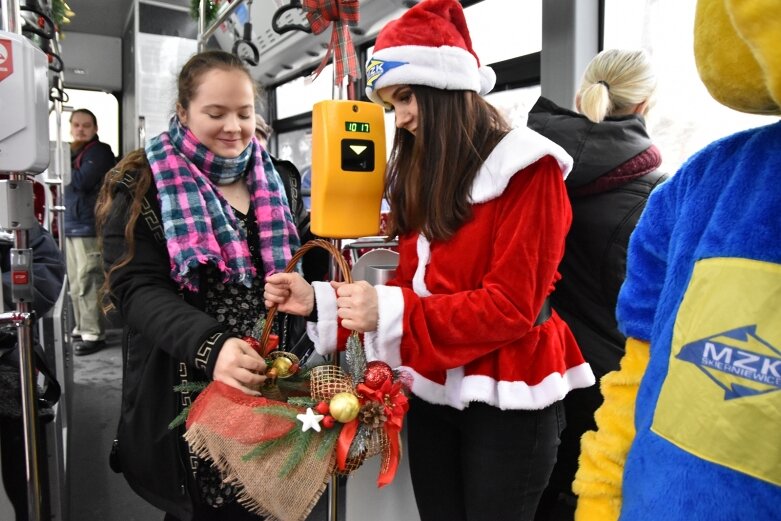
[614,82]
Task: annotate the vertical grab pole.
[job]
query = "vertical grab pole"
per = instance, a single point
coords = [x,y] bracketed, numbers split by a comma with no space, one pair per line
[201,25]
[29,391]
[333,489]
[59,168]
[22,319]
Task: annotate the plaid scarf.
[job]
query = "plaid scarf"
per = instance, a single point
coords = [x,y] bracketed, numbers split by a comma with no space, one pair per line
[199,225]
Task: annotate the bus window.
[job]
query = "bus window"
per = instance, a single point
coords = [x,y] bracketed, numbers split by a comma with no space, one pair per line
[685,117]
[296,146]
[105,107]
[489,18]
[297,96]
[515,104]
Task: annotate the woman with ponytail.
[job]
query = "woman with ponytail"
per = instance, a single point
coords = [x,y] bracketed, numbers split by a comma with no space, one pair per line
[190,226]
[615,169]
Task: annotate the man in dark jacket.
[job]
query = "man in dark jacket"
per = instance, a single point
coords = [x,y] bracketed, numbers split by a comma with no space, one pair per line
[90,160]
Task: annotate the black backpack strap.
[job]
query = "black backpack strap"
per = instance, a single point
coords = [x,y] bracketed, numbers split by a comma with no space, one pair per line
[10,355]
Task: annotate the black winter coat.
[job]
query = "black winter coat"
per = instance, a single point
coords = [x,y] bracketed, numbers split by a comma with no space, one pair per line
[148,453]
[594,263]
[89,164]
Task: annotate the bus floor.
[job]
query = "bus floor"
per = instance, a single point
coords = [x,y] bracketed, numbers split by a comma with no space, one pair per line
[97,493]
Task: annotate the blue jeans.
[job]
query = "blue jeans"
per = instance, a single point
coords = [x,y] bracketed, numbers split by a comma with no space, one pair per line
[482,463]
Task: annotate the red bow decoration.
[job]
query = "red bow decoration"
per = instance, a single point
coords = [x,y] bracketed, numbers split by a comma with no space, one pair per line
[395,404]
[343,14]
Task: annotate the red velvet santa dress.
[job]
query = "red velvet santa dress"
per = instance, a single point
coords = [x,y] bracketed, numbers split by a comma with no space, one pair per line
[459,315]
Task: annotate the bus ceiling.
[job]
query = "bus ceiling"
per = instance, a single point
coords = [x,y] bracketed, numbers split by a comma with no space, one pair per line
[283,54]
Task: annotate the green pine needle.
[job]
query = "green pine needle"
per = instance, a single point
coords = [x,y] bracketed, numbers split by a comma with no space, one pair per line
[301,445]
[191,387]
[302,401]
[329,440]
[264,447]
[278,410]
[186,387]
[180,419]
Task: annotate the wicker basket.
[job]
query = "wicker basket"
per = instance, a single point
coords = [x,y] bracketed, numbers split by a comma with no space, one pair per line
[264,444]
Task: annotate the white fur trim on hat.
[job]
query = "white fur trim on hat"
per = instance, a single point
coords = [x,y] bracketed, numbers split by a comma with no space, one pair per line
[445,67]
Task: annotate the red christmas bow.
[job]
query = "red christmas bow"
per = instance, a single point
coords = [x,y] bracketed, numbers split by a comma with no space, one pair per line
[343,14]
[395,404]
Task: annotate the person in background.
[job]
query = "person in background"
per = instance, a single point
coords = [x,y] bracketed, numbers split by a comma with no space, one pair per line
[481,212]
[189,227]
[616,168]
[90,160]
[48,275]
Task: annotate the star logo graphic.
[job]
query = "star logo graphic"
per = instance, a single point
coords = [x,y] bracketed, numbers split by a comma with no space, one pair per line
[310,420]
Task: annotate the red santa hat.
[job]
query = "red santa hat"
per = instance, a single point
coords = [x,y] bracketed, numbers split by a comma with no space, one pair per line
[429,45]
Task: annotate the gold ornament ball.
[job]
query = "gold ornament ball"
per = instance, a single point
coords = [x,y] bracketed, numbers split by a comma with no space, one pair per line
[344,407]
[282,364]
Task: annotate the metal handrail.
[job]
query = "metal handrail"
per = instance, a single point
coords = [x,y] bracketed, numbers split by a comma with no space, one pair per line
[204,33]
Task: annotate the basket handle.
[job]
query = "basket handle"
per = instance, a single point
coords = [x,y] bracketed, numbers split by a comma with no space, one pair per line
[316,243]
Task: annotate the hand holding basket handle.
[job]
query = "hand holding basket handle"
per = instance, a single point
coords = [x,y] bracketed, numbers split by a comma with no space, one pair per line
[336,255]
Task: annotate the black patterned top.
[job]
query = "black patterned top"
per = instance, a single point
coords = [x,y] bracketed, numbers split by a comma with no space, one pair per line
[240,307]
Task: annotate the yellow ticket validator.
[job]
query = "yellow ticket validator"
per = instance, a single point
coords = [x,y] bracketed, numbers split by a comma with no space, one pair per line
[348,168]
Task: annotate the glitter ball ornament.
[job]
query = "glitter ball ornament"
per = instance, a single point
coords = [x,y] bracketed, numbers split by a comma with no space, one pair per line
[377,372]
[282,364]
[344,407]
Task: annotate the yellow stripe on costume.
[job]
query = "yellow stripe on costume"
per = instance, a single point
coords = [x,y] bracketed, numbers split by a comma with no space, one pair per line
[603,453]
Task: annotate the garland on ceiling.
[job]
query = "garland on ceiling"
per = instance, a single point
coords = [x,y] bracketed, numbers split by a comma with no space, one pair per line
[61,13]
[212,6]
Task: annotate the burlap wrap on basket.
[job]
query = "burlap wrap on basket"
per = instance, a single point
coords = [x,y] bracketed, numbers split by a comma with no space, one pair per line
[224,427]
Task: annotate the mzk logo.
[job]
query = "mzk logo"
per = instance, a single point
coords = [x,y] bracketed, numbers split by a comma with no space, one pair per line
[376,68]
[738,361]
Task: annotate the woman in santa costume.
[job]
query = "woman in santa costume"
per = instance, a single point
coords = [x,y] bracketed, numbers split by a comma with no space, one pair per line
[481,213]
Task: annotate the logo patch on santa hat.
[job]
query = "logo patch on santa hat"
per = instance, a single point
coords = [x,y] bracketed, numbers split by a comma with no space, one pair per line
[376,68]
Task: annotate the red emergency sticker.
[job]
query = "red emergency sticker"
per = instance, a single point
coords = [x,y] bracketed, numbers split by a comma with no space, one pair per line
[6,59]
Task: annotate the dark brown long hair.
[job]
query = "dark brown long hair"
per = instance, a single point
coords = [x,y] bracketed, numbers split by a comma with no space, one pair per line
[430,174]
[137,165]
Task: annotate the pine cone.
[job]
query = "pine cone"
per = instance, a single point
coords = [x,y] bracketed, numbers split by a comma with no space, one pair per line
[373,415]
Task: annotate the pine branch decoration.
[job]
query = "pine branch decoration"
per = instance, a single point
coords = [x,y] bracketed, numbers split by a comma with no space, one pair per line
[356,358]
[299,440]
[186,387]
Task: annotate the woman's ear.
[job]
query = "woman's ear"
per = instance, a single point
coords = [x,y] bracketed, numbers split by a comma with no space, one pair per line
[642,108]
[181,113]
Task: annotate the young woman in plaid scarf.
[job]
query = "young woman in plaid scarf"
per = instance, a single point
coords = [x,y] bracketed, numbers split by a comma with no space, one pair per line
[190,227]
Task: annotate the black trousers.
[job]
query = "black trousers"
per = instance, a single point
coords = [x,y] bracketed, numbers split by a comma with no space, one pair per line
[482,463]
